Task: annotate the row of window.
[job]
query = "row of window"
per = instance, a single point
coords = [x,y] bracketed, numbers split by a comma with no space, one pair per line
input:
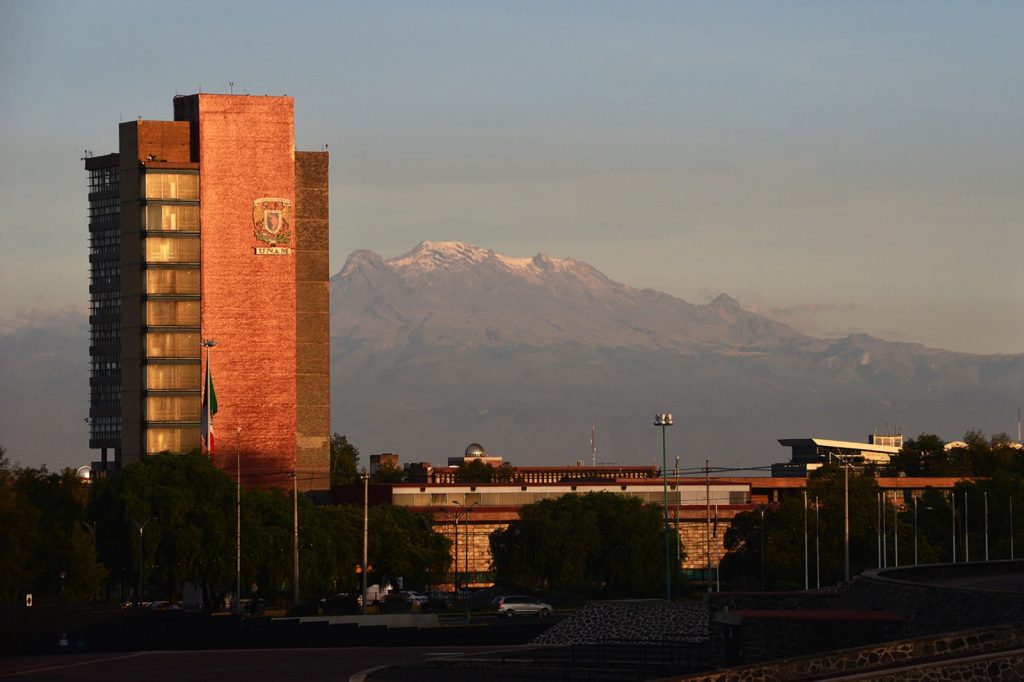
[103,334]
[173,377]
[105,365]
[101,428]
[101,179]
[172,408]
[172,282]
[105,272]
[172,250]
[101,209]
[161,313]
[179,186]
[675,497]
[171,439]
[170,217]
[183,344]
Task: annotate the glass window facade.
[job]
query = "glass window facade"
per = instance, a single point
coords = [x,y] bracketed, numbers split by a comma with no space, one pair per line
[170,218]
[172,313]
[172,408]
[172,439]
[172,345]
[172,282]
[172,249]
[175,186]
[174,377]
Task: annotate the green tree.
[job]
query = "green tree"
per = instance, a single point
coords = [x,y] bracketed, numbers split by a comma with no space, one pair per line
[18,534]
[267,541]
[474,471]
[773,537]
[344,461]
[922,456]
[387,473]
[184,507]
[58,537]
[599,543]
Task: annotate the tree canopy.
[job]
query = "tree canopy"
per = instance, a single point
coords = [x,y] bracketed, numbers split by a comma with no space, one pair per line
[344,461]
[169,520]
[766,547]
[602,544]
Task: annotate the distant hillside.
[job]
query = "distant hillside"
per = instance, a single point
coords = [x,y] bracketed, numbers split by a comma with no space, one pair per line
[451,344]
[44,400]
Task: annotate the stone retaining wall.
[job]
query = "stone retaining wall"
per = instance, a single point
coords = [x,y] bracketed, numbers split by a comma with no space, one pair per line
[933,608]
[858,660]
[631,620]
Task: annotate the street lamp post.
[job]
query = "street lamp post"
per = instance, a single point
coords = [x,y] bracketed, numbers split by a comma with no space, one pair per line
[456,517]
[807,553]
[762,508]
[366,532]
[817,544]
[967,533]
[295,533]
[846,520]
[140,527]
[465,566]
[665,420]
[707,504]
[986,525]
[896,534]
[238,520]
[62,638]
[885,533]
[952,517]
[915,531]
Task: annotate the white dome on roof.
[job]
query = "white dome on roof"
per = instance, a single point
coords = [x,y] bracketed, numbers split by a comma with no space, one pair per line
[475,450]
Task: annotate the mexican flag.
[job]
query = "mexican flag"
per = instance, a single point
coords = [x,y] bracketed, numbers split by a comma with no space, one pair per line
[209,409]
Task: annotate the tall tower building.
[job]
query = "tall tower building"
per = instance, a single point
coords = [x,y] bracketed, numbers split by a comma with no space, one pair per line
[209,244]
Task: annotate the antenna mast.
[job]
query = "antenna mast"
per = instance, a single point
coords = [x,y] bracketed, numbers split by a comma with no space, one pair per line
[593,440]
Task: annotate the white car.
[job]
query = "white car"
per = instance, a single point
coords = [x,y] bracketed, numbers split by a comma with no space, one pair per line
[521,605]
[414,598]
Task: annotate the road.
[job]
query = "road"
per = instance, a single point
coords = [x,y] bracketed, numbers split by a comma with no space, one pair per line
[235,665]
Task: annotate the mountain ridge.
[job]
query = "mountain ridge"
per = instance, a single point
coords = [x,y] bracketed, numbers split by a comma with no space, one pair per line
[534,301]
[451,344]
[457,344]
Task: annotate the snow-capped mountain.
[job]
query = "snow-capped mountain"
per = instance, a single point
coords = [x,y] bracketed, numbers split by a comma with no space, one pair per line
[452,343]
[455,294]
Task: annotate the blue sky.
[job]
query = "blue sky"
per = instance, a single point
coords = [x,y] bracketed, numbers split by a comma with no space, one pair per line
[841,166]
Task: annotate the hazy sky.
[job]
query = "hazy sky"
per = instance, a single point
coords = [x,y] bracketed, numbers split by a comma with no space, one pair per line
[842,166]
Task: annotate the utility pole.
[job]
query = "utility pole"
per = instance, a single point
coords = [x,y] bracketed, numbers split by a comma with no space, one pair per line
[807,555]
[846,520]
[707,501]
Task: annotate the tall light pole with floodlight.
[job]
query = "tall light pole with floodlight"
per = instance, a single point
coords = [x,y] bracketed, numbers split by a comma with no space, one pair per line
[664,420]
[366,532]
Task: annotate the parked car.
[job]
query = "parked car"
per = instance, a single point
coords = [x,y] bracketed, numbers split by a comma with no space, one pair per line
[414,598]
[522,605]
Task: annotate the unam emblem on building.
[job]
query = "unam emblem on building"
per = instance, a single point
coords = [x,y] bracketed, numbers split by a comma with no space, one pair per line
[271,224]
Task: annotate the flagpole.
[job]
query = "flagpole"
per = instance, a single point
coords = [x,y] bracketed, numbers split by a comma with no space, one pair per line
[207,417]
